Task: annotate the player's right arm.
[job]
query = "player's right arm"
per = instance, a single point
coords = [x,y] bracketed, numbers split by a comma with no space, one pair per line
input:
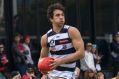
[44,48]
[44,51]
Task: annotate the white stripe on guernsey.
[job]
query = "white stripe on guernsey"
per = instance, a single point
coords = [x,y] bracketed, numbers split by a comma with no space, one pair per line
[55,73]
[69,65]
[60,47]
[63,65]
[66,26]
[57,56]
[49,31]
[58,36]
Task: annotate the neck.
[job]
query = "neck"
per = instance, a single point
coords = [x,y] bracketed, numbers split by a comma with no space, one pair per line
[57,28]
[26,43]
[17,43]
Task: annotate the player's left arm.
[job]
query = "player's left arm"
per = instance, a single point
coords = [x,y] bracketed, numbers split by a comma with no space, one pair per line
[78,44]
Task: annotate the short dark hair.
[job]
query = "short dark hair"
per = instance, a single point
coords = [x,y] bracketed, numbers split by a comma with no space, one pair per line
[53,7]
[17,34]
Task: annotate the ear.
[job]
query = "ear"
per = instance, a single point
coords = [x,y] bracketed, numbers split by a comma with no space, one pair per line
[51,19]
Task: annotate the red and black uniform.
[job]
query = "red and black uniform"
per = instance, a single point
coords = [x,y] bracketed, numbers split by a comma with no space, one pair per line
[3,63]
[19,58]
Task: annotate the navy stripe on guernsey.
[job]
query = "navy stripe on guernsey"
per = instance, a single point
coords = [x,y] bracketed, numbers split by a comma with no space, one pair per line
[50,32]
[63,52]
[59,68]
[62,41]
[60,45]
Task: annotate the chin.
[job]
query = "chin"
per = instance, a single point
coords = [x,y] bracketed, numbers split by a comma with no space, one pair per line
[60,25]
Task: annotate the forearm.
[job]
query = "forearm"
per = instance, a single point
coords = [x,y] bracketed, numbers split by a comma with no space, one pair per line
[44,48]
[43,53]
[72,57]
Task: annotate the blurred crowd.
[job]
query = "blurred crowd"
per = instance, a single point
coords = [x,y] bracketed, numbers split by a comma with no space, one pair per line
[24,67]
[90,67]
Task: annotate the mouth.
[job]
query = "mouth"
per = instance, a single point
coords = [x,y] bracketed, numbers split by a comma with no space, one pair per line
[61,21]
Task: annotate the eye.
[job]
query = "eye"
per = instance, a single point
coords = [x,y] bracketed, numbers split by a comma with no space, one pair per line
[62,14]
[57,15]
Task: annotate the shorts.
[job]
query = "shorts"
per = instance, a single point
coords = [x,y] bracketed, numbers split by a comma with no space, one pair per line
[61,74]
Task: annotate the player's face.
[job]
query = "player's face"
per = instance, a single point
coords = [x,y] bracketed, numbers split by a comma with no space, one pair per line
[89,48]
[1,47]
[101,77]
[27,40]
[17,38]
[117,38]
[93,50]
[58,18]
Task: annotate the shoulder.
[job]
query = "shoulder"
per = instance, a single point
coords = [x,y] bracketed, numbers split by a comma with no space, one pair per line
[49,31]
[114,43]
[113,78]
[44,39]
[74,32]
[73,29]
[25,45]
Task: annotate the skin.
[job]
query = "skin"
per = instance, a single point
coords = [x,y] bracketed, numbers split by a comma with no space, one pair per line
[17,39]
[1,48]
[58,21]
[117,38]
[89,48]
[17,77]
[27,41]
[77,72]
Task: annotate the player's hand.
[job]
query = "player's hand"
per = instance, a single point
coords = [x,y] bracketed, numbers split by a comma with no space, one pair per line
[56,62]
[44,77]
[44,72]
[77,72]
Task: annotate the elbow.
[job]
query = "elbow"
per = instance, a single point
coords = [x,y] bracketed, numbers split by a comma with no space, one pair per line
[82,54]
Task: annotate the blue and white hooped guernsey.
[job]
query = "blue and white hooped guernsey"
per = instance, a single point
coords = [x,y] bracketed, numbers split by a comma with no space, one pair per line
[60,45]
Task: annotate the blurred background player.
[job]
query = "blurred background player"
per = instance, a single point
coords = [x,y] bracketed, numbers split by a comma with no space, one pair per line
[97,57]
[87,63]
[19,55]
[115,52]
[3,61]
[99,75]
[26,45]
[15,75]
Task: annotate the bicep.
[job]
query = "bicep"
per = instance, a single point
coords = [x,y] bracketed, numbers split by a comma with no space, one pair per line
[77,39]
[78,43]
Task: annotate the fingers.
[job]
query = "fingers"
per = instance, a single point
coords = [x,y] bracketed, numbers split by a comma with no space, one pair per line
[44,77]
[51,61]
[53,65]
[44,72]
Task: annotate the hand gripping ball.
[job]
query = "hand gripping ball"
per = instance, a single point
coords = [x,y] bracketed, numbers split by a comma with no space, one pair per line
[44,64]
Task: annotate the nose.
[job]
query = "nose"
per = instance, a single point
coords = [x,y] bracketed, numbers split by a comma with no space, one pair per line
[61,16]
